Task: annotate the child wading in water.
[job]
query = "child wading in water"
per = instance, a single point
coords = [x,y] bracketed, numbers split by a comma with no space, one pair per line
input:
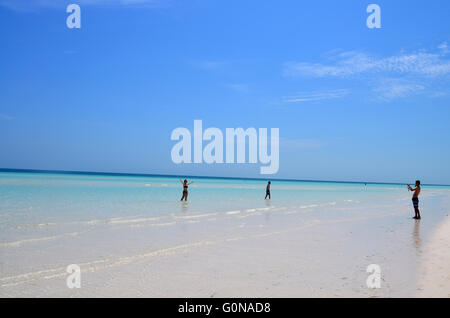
[415,199]
[268,190]
[185,189]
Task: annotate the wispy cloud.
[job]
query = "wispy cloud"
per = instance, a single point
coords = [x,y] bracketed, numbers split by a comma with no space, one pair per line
[5,117]
[32,5]
[210,65]
[443,47]
[301,144]
[220,64]
[439,94]
[389,89]
[316,96]
[351,63]
[391,77]
[238,87]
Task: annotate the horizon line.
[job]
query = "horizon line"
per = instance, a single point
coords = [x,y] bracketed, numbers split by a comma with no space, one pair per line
[194,176]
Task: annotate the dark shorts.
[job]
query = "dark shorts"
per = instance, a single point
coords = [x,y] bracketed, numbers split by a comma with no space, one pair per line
[415,202]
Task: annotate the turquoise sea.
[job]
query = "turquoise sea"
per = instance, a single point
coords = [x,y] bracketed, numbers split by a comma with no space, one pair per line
[43,197]
[118,226]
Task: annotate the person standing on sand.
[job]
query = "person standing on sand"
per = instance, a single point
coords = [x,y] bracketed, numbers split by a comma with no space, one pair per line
[267,191]
[415,199]
[185,189]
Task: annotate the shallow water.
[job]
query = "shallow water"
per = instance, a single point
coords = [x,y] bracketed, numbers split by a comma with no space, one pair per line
[110,224]
[39,198]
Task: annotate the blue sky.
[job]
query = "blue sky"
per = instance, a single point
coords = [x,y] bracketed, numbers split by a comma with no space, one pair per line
[351,103]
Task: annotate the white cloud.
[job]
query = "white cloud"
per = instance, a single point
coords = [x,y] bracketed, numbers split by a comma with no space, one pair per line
[353,63]
[390,77]
[316,96]
[389,89]
[439,94]
[443,47]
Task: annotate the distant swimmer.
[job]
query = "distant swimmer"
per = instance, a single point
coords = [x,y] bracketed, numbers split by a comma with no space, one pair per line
[185,189]
[415,199]
[267,191]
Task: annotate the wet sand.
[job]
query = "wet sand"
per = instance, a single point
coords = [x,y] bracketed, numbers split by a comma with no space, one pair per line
[435,272]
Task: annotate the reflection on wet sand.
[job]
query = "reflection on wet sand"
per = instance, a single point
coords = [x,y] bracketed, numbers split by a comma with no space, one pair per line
[417,241]
[184,207]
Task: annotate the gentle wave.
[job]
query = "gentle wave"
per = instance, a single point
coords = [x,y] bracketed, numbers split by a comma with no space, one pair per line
[140,219]
[102,264]
[39,239]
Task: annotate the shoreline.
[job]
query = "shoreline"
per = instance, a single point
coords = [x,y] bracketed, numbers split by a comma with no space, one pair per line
[434,273]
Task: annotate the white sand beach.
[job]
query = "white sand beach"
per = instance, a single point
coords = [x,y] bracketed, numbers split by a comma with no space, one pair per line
[270,253]
[434,274]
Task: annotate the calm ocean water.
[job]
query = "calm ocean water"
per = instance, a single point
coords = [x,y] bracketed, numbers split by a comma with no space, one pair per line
[40,198]
[105,222]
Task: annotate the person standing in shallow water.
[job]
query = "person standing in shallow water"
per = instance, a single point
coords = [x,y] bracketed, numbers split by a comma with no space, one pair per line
[185,189]
[415,199]
[267,190]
